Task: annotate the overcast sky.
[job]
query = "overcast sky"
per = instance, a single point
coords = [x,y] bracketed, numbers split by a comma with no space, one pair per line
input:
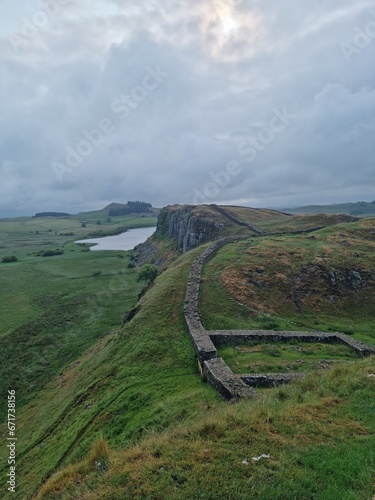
[253,102]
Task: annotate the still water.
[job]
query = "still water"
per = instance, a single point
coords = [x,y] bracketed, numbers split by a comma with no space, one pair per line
[123,241]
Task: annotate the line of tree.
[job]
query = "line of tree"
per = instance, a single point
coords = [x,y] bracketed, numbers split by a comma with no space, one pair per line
[50,214]
[362,208]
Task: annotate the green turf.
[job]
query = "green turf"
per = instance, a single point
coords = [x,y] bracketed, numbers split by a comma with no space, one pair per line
[53,308]
[289,357]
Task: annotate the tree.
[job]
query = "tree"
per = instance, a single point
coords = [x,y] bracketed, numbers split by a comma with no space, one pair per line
[148,273]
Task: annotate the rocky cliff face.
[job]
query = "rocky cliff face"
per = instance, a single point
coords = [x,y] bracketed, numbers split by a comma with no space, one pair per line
[190,226]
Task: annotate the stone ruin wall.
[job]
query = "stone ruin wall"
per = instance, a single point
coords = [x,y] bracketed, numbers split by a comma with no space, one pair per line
[229,385]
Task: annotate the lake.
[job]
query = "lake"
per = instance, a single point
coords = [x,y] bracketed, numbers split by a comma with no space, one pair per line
[123,241]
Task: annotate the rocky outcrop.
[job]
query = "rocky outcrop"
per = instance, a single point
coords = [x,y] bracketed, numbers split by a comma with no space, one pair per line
[151,251]
[130,314]
[188,225]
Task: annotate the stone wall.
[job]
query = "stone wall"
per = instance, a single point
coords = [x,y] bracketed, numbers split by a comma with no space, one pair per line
[203,345]
[229,385]
[270,380]
[235,337]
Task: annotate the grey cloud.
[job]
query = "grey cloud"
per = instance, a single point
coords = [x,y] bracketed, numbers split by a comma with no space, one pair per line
[222,87]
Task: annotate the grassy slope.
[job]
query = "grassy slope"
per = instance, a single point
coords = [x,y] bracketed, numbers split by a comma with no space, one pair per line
[63,309]
[52,309]
[281,282]
[319,434]
[121,388]
[319,431]
[169,434]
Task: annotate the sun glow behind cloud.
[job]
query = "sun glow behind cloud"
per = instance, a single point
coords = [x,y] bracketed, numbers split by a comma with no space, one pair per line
[229,33]
[228,25]
[223,30]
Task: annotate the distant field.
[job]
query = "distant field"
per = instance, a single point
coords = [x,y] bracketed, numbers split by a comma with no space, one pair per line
[53,308]
[21,234]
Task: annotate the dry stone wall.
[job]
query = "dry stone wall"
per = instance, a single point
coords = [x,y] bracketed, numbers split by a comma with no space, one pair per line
[235,337]
[228,385]
[218,374]
[203,345]
[270,380]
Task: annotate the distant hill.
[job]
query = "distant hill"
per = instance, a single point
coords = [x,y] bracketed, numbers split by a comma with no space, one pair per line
[360,208]
[114,212]
[132,207]
[114,209]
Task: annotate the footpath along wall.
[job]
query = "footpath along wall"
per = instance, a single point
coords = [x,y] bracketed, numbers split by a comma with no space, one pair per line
[229,385]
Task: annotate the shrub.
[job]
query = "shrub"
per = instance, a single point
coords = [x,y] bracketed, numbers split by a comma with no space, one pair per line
[50,252]
[268,323]
[148,273]
[9,258]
